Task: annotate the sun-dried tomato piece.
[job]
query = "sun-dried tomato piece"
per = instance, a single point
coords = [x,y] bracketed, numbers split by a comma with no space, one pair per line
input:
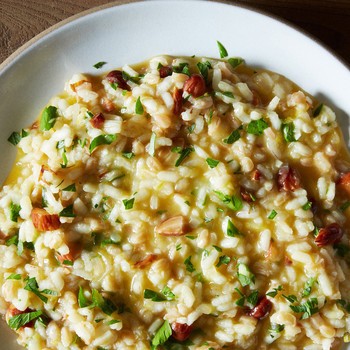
[329,235]
[181,331]
[43,221]
[288,179]
[261,309]
[165,71]
[116,77]
[247,196]
[97,120]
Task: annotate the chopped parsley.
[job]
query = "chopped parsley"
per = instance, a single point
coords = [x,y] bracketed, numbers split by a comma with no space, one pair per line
[129,203]
[154,296]
[182,68]
[32,286]
[101,140]
[245,276]
[14,211]
[233,137]
[223,260]
[82,301]
[235,61]
[165,295]
[138,106]
[288,132]
[232,230]
[308,287]
[128,155]
[48,118]
[16,137]
[272,215]
[18,321]
[274,291]
[189,265]
[257,127]
[253,297]
[232,202]
[203,68]
[222,50]
[345,206]
[99,65]
[307,309]
[67,212]
[106,305]
[162,335]
[291,298]
[212,162]
[184,153]
[14,276]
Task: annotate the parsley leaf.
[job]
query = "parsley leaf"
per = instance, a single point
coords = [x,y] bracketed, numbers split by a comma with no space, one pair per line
[308,287]
[162,335]
[14,211]
[32,286]
[212,162]
[253,297]
[235,61]
[18,321]
[129,203]
[138,107]
[67,212]
[82,301]
[291,298]
[245,276]
[274,291]
[288,131]
[272,215]
[232,202]
[257,127]
[222,50]
[98,65]
[307,309]
[48,118]
[184,153]
[14,276]
[233,137]
[189,265]
[223,260]
[106,305]
[232,230]
[101,140]
[154,296]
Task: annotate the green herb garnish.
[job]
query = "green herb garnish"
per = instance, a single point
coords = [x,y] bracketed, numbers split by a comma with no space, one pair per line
[189,265]
[232,202]
[162,335]
[222,50]
[129,203]
[272,215]
[235,61]
[99,65]
[67,212]
[101,140]
[70,188]
[14,211]
[138,106]
[288,132]
[257,127]
[18,321]
[212,162]
[48,118]
[245,276]
[233,137]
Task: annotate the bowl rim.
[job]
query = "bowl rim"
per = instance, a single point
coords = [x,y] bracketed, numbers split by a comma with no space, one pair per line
[26,47]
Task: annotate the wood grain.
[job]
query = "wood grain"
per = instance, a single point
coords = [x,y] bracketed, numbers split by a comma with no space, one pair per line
[328,21]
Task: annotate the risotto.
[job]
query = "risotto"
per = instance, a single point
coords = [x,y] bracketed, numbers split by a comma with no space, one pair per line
[182,203]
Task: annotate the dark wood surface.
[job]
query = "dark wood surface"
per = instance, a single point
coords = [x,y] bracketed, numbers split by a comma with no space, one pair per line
[326,20]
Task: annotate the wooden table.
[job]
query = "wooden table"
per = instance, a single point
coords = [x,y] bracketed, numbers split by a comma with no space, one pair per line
[326,20]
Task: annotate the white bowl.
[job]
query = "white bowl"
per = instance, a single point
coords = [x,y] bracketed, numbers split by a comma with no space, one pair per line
[134,32]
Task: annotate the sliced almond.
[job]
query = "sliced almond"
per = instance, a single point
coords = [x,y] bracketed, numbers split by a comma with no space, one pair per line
[43,221]
[146,261]
[175,226]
